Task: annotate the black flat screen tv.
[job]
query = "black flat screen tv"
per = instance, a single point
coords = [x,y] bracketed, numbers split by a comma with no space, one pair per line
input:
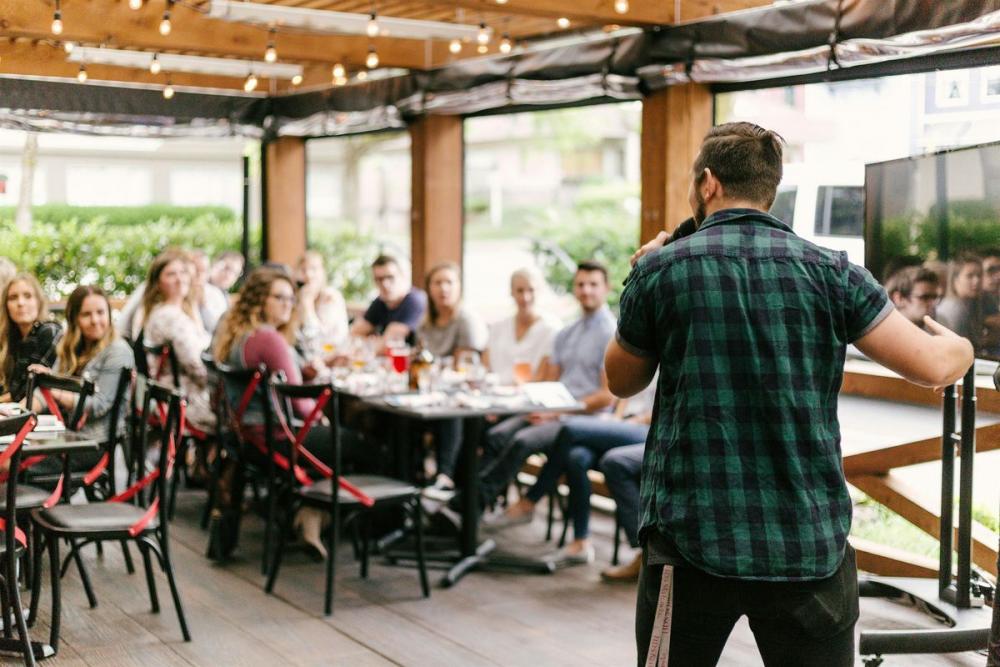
[942,212]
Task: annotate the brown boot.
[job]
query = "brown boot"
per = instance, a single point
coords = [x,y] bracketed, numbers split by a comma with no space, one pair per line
[624,573]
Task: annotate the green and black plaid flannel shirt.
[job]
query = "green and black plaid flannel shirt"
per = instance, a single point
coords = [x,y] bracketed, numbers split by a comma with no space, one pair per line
[749,324]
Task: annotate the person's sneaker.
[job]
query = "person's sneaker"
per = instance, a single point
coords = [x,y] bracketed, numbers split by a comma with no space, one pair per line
[502,520]
[442,490]
[627,573]
[564,557]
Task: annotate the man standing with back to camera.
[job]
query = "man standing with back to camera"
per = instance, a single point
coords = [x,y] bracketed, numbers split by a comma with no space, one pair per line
[744,506]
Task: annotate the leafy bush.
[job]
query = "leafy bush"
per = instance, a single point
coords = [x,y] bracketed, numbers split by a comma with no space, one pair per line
[57,214]
[71,252]
[348,254]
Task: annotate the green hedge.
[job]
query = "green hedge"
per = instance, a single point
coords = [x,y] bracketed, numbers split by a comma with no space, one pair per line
[57,214]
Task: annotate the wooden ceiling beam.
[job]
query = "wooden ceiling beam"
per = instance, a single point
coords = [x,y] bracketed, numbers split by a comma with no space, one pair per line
[112,23]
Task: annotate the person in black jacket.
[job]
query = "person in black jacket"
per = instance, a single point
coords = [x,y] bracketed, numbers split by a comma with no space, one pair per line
[27,336]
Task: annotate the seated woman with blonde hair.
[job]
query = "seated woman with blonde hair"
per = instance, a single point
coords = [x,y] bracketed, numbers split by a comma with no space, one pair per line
[322,311]
[27,336]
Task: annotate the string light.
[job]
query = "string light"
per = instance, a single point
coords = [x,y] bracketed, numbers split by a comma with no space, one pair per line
[338,71]
[372,28]
[501,2]
[154,64]
[168,91]
[165,23]
[68,47]
[135,4]
[81,75]
[483,36]
[339,80]
[505,44]
[562,22]
[251,83]
[621,6]
[455,46]
[372,60]
[57,24]
[297,80]
[482,48]
[361,75]
[271,54]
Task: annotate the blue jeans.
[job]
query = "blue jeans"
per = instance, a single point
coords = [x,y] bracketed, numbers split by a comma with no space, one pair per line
[622,468]
[581,442]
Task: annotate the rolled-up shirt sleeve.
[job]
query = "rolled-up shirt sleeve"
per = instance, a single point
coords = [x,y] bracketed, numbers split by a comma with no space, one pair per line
[867,303]
[635,320]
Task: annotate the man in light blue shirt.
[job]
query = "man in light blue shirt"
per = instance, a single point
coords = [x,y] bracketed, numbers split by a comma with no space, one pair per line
[578,362]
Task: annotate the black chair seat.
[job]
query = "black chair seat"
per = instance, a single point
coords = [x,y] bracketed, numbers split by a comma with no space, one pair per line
[379,488]
[103,517]
[28,497]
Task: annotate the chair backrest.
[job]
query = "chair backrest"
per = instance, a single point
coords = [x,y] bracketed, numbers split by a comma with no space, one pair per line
[13,431]
[325,399]
[166,362]
[243,389]
[171,402]
[119,409]
[81,386]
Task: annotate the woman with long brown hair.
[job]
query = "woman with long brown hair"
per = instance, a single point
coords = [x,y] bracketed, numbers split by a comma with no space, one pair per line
[260,329]
[27,336]
[170,316]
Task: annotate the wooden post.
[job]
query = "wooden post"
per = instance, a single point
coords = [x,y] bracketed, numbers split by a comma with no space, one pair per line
[674,121]
[436,214]
[284,199]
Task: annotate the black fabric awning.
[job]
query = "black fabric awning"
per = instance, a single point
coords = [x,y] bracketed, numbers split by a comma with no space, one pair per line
[832,39]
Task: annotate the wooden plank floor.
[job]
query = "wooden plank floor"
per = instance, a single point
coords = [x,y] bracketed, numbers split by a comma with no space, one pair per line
[569,618]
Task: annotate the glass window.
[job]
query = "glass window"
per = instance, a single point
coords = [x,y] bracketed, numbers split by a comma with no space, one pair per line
[840,211]
[783,207]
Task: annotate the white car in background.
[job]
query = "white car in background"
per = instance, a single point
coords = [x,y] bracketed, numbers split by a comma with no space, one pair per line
[825,206]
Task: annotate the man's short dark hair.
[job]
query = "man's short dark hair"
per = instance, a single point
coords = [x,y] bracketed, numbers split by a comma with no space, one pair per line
[593,265]
[745,158]
[385,260]
[903,281]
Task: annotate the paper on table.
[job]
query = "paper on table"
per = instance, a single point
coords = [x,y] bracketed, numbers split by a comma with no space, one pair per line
[549,394]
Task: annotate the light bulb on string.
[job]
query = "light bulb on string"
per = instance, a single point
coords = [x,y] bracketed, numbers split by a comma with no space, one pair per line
[621,6]
[251,83]
[372,60]
[270,53]
[81,75]
[361,75]
[57,24]
[483,36]
[339,80]
[135,4]
[297,80]
[482,48]
[165,24]
[338,71]
[154,64]
[372,28]
[168,91]
[68,47]
[505,44]
[455,46]
[562,22]
[501,2]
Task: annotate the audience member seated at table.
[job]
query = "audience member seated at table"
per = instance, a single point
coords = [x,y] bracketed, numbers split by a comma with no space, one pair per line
[959,310]
[915,291]
[448,330]
[322,313]
[7,270]
[27,337]
[130,319]
[259,329]
[398,308]
[212,301]
[90,348]
[580,445]
[520,344]
[226,269]
[170,316]
[578,362]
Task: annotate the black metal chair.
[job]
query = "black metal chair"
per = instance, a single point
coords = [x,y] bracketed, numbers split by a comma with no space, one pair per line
[118,519]
[14,542]
[344,497]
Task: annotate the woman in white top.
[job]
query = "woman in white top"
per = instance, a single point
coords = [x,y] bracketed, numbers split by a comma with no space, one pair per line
[520,345]
[322,311]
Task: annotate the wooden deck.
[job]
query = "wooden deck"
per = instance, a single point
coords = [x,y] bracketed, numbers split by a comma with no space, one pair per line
[569,618]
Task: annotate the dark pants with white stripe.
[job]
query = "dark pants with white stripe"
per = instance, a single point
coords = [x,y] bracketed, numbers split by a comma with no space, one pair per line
[808,623]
